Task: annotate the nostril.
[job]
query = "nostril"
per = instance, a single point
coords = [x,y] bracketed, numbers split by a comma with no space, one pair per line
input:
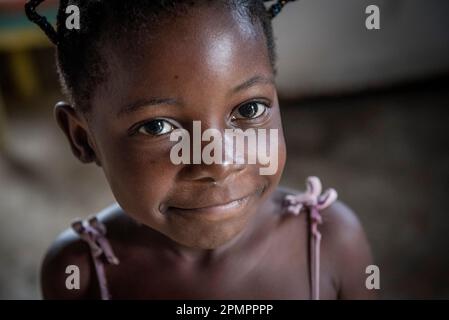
[210,173]
[206,180]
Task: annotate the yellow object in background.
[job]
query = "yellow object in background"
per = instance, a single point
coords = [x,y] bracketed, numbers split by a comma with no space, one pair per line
[23,73]
[17,45]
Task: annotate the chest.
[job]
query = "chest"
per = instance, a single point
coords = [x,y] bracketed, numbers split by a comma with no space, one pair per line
[270,268]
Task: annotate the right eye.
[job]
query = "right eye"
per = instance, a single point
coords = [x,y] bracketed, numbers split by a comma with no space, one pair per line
[156,127]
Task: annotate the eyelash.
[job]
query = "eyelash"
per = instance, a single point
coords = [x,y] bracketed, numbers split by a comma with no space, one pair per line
[266,106]
[138,128]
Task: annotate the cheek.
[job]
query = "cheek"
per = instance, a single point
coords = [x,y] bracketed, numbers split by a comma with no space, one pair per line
[282,151]
[134,175]
[275,178]
[276,123]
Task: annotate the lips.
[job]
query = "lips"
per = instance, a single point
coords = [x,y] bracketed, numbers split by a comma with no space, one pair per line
[213,210]
[225,205]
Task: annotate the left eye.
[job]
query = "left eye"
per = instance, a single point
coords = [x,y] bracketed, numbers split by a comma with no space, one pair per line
[156,127]
[250,110]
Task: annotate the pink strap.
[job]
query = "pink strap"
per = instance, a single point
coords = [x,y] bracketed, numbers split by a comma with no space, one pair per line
[312,201]
[94,233]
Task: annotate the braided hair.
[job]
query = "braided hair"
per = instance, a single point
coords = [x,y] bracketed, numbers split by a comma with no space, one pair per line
[80,64]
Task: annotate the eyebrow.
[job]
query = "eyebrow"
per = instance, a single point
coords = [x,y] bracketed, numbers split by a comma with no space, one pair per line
[258,79]
[143,103]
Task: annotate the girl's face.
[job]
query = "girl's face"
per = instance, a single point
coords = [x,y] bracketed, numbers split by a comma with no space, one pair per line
[205,66]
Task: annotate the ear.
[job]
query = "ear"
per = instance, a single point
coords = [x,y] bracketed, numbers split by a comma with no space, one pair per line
[76,132]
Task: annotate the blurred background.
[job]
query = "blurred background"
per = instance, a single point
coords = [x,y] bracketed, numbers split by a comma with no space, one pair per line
[365,110]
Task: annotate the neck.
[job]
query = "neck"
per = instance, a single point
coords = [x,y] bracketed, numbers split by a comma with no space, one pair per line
[261,216]
[267,211]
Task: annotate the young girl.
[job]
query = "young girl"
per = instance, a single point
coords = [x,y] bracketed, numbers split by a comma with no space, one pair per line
[134,72]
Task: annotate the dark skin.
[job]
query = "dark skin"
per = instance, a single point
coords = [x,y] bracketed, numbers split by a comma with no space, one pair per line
[172,233]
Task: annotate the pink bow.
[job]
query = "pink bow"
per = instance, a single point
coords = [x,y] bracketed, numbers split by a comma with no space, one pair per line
[311,198]
[93,232]
[313,201]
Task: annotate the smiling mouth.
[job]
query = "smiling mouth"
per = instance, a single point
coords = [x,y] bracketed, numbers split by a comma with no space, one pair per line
[215,212]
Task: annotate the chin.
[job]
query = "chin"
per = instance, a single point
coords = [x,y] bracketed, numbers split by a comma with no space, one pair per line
[209,237]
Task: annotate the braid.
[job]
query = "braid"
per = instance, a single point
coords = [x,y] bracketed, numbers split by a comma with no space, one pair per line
[81,64]
[277,7]
[41,21]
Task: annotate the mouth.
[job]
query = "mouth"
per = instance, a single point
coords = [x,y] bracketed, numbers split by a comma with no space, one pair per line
[216,212]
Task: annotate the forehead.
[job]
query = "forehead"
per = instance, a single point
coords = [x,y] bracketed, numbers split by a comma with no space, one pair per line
[208,47]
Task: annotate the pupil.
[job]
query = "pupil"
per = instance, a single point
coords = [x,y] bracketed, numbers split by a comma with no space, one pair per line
[248,110]
[154,127]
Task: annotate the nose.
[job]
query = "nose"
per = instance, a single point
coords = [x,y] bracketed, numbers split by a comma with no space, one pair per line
[212,173]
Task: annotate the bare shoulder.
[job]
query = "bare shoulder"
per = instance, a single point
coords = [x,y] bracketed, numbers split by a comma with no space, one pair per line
[341,223]
[66,251]
[340,226]
[348,251]
[345,249]
[70,250]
